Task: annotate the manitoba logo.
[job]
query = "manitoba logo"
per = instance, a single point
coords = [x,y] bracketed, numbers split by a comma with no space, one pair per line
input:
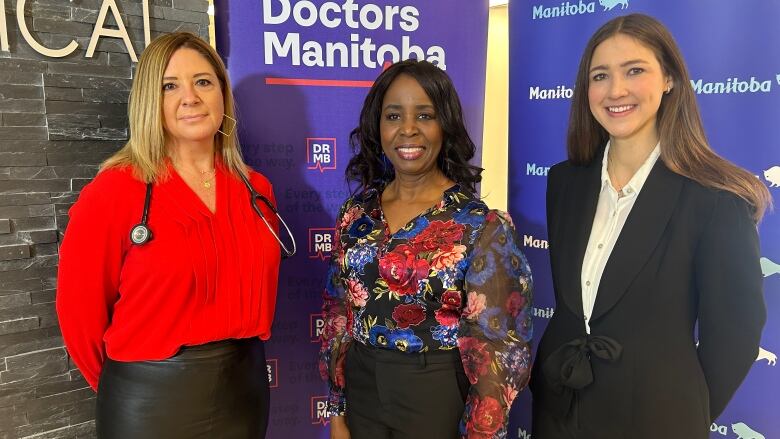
[569,8]
[272,368]
[321,242]
[321,153]
[559,92]
[319,410]
[732,85]
[316,324]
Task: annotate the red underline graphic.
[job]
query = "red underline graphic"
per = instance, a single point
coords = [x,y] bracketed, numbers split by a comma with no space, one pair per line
[319,82]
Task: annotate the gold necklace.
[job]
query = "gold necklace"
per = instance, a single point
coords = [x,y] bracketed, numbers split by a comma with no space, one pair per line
[207,183]
[209,175]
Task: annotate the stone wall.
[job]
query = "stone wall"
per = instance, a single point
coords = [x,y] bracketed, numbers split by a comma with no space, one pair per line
[59,118]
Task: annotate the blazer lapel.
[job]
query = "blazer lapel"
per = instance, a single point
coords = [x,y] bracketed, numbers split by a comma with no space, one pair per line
[643,229]
[583,192]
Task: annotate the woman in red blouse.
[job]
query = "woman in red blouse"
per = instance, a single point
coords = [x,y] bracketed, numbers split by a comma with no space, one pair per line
[428,297]
[169,330]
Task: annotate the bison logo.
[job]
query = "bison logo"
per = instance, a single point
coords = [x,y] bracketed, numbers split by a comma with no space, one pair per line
[772,175]
[744,432]
[763,354]
[610,4]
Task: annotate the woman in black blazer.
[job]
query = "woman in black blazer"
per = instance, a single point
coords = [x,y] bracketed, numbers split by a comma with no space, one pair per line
[652,235]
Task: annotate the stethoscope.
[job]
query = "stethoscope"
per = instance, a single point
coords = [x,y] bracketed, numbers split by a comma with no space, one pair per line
[141,233]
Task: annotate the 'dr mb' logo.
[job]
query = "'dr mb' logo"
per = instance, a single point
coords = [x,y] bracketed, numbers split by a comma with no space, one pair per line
[316,325]
[321,242]
[272,368]
[319,410]
[321,153]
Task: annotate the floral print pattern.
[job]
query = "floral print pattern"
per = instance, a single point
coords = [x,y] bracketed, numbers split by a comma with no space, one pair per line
[452,278]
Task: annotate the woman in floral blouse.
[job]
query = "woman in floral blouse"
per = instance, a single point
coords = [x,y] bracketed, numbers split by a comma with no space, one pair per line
[427,300]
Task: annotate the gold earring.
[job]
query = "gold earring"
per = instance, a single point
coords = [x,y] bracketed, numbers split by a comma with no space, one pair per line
[230,131]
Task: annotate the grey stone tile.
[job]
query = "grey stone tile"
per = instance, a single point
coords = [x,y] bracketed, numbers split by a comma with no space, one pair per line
[21,324]
[119,59]
[9,91]
[15,300]
[113,122]
[15,186]
[71,28]
[89,70]
[37,339]
[181,15]
[80,81]
[31,211]
[43,250]
[47,296]
[22,66]
[84,146]
[24,120]
[5,226]
[25,199]
[10,252]
[20,78]
[60,405]
[35,223]
[23,133]
[88,134]
[52,12]
[63,94]
[35,269]
[192,5]
[63,120]
[75,108]
[22,158]
[107,96]
[21,106]
[22,145]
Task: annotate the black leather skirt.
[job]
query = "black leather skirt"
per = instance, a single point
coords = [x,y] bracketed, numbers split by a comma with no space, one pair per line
[216,390]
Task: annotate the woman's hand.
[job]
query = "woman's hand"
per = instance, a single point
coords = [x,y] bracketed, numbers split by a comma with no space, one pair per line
[338,427]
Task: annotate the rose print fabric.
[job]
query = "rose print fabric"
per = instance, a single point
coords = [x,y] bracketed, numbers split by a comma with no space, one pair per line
[452,278]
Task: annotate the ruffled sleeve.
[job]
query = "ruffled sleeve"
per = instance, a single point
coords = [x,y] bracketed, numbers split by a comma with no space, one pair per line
[90,263]
[495,328]
[335,338]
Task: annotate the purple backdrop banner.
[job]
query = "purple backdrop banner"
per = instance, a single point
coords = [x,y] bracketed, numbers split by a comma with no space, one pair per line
[300,70]
[733,55]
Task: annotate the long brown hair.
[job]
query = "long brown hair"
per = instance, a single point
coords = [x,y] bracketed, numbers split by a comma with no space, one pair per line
[145,152]
[684,146]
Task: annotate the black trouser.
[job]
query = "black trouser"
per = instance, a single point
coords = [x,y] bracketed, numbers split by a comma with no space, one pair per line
[216,390]
[392,395]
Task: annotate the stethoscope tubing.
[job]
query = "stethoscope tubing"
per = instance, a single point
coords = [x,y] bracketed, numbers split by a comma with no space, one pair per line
[141,233]
[253,196]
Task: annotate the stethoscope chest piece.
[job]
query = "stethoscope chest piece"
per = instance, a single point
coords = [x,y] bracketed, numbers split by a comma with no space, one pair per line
[140,234]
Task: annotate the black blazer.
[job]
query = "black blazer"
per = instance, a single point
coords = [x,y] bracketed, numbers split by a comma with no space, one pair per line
[687,255]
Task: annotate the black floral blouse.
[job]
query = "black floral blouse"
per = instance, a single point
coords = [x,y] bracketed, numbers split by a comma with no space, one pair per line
[453,278]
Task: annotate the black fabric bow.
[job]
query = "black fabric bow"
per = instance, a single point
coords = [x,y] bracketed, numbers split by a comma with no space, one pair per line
[568,368]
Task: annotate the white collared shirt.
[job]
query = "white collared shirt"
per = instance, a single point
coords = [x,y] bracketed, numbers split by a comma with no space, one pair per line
[611,214]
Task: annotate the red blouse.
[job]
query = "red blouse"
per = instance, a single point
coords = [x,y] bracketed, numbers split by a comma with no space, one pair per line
[203,277]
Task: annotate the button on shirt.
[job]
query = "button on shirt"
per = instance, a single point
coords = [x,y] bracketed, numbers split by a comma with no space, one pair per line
[611,214]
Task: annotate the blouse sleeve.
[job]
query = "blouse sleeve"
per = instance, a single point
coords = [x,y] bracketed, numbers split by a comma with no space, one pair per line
[495,328]
[335,337]
[90,262]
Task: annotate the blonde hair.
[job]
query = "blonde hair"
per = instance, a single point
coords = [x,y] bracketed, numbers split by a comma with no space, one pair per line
[684,146]
[145,151]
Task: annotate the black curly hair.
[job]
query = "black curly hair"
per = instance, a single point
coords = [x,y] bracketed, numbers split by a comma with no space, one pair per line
[367,166]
